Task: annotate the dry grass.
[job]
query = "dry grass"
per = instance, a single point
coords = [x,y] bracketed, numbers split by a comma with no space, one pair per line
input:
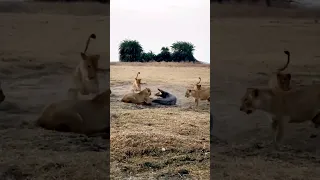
[139,134]
[38,54]
[245,50]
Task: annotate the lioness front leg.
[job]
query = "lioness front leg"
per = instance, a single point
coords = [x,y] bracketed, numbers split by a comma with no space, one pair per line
[196,100]
[277,128]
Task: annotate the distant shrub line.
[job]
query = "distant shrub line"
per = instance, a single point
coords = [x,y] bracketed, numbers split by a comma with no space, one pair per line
[132,51]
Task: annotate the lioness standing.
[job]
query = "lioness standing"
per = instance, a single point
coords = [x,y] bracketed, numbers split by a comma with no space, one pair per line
[281,81]
[294,106]
[136,85]
[140,98]
[198,85]
[85,75]
[201,94]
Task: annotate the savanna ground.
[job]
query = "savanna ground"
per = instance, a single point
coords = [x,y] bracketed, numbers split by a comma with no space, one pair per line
[159,142]
[40,47]
[247,44]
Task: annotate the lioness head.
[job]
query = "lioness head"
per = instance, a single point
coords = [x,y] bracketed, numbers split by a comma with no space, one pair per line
[138,81]
[89,65]
[284,81]
[250,100]
[146,92]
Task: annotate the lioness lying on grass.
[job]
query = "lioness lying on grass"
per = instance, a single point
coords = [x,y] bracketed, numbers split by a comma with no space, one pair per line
[140,98]
[78,116]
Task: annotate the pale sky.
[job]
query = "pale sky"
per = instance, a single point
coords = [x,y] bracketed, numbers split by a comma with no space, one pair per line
[158,23]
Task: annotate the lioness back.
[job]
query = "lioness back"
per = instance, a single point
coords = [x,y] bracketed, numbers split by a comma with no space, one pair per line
[80,116]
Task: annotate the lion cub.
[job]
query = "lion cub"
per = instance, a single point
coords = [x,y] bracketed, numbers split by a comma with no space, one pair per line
[198,85]
[281,81]
[142,97]
[294,106]
[136,86]
[85,75]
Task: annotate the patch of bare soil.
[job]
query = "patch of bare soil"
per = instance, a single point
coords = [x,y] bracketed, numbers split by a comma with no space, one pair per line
[159,142]
[38,53]
[245,50]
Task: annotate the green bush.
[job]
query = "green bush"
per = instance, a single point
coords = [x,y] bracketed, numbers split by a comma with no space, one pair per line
[149,56]
[130,51]
[164,55]
[182,51]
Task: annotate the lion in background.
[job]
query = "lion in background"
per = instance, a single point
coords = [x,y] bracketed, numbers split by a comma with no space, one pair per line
[85,75]
[197,86]
[281,81]
[136,85]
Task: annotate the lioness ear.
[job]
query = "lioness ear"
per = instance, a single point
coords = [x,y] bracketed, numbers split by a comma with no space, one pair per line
[83,56]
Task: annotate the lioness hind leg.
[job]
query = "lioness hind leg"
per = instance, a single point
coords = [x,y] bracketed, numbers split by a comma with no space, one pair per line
[277,128]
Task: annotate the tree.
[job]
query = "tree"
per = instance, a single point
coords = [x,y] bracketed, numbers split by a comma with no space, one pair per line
[130,51]
[182,51]
[164,55]
[149,56]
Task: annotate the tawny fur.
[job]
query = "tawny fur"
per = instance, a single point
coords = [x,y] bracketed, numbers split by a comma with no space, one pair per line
[136,86]
[202,94]
[281,81]
[78,116]
[2,96]
[85,75]
[293,106]
[142,97]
